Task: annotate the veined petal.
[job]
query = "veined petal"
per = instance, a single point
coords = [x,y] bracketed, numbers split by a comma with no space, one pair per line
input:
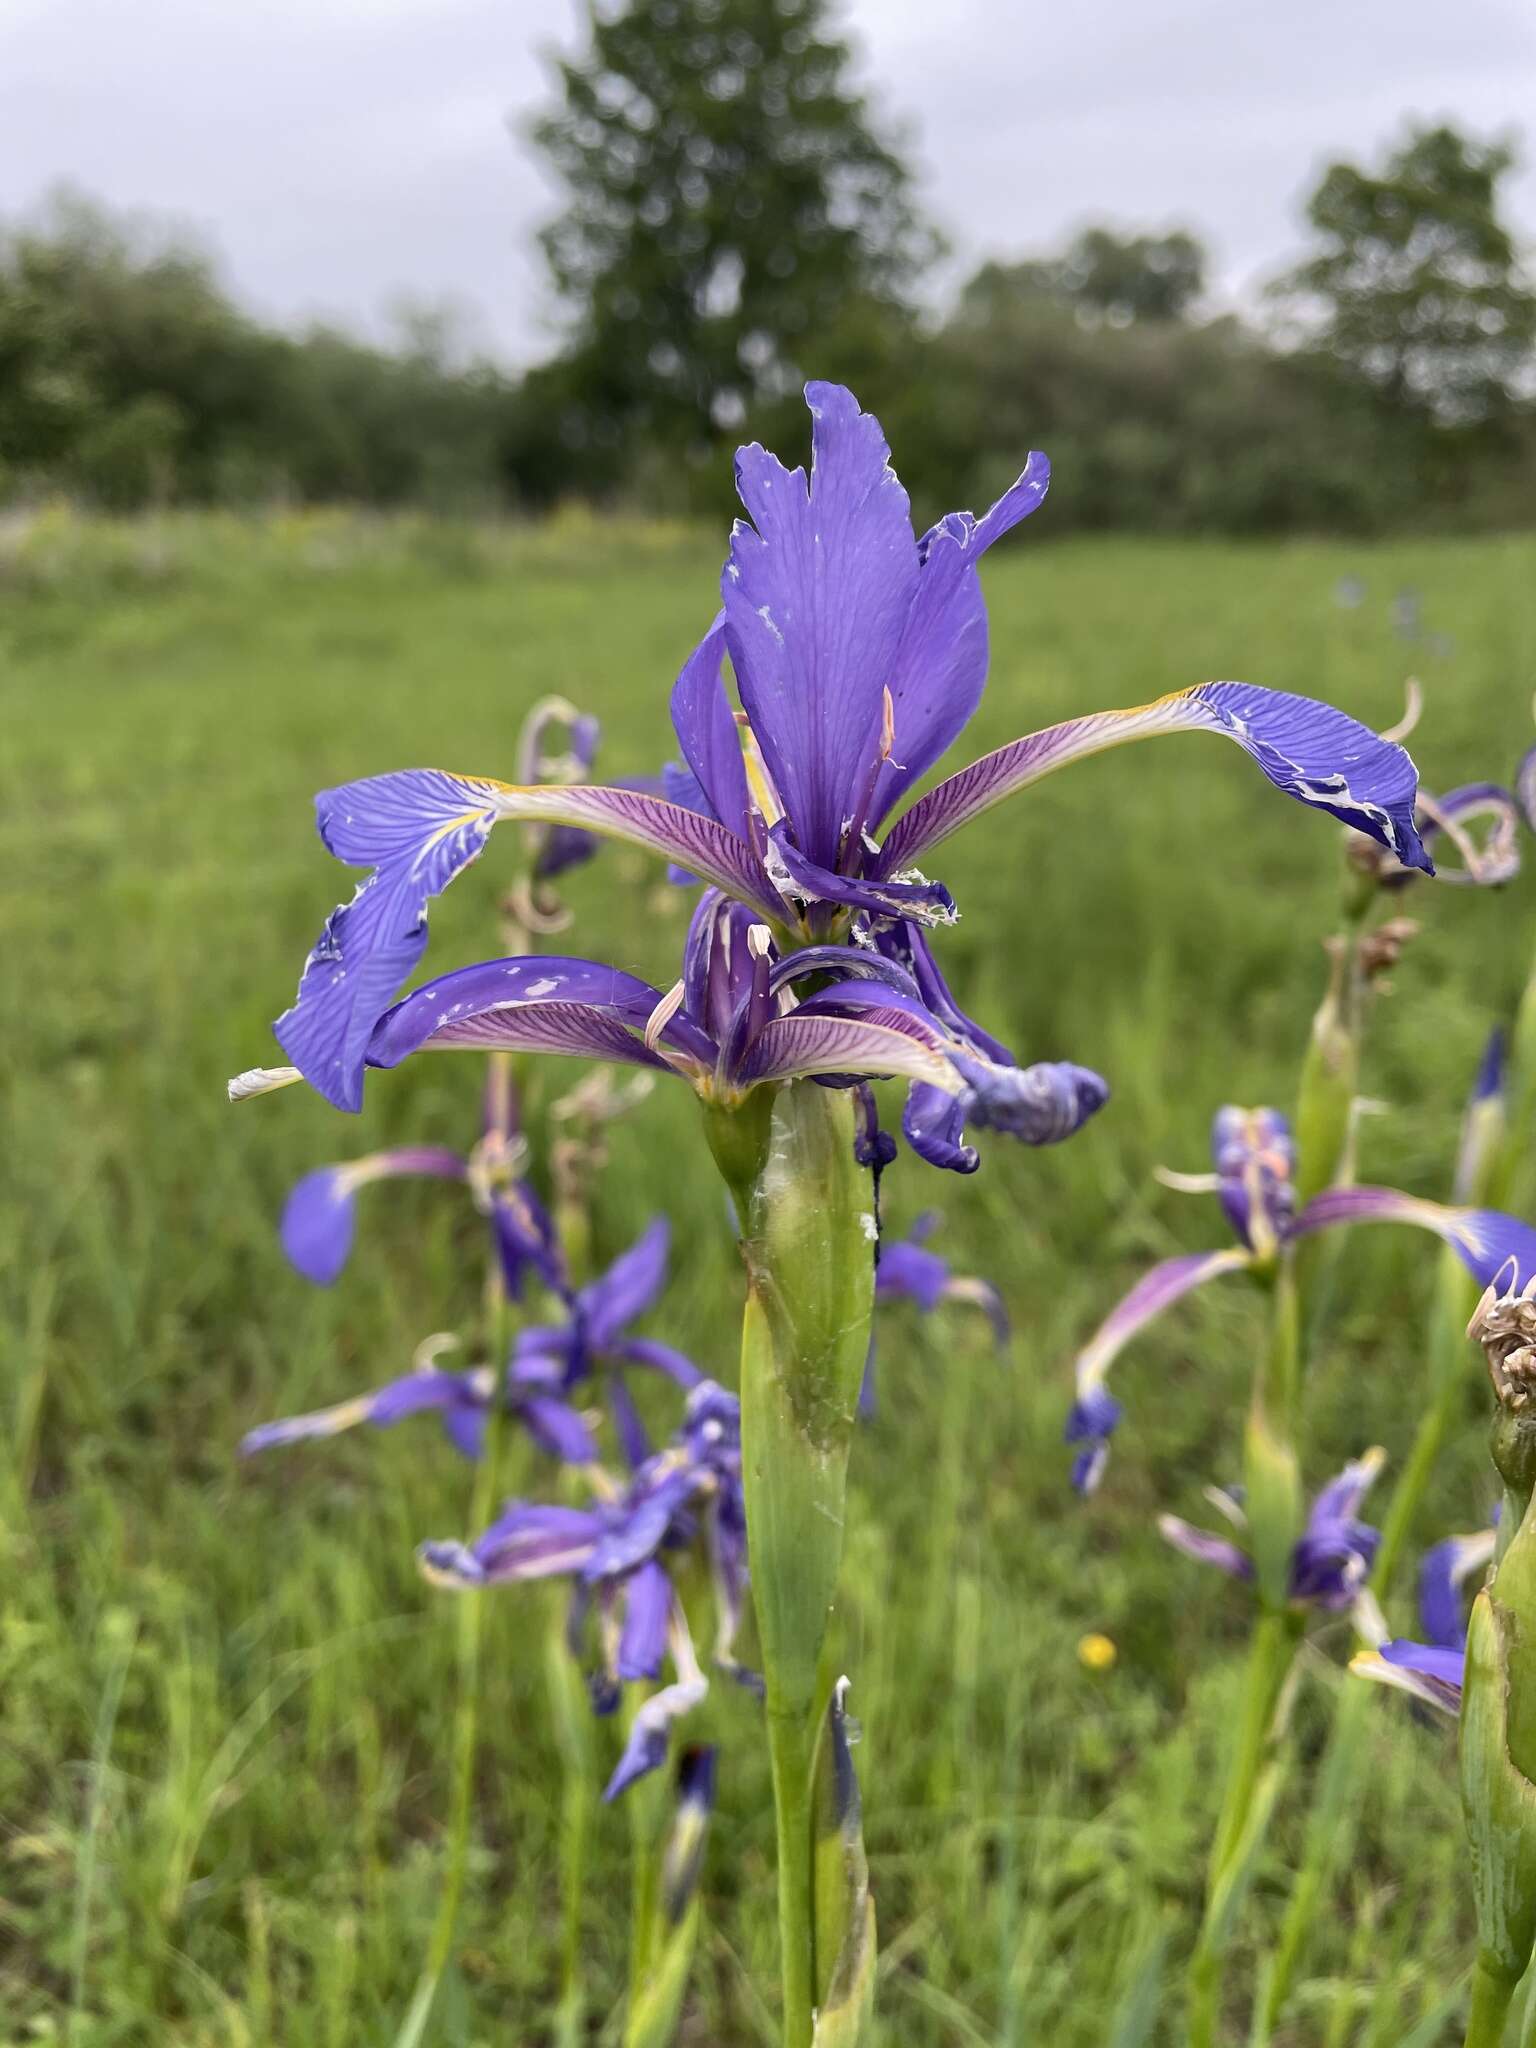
[547,1003]
[1308,750]
[318,1224]
[817,592]
[706,731]
[941,665]
[1155,1291]
[418,829]
[878,1043]
[1429,1673]
[1485,1240]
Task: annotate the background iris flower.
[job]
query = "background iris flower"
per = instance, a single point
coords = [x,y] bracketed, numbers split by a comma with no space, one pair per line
[859,652]
[1255,1164]
[1433,1670]
[1332,1555]
[617,1553]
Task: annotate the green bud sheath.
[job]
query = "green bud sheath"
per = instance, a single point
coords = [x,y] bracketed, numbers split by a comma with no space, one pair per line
[808,1239]
[1498,1743]
[845,1912]
[657,1993]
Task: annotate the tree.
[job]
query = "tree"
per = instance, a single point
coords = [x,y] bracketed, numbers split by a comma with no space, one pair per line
[1103,276]
[729,198]
[1416,285]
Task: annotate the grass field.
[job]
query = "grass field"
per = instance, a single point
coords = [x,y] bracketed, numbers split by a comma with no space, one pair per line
[227,1695]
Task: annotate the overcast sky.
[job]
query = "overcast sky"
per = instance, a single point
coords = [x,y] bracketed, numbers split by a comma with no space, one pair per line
[339,152]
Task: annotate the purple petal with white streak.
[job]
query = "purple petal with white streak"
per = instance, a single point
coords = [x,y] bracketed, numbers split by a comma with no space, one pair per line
[1308,750]
[547,1003]
[416,830]
[878,1044]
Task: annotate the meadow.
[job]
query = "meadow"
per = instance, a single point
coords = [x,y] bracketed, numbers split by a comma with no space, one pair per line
[227,1692]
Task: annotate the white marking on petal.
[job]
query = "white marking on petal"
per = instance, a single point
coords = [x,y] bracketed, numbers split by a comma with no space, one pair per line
[261,1081]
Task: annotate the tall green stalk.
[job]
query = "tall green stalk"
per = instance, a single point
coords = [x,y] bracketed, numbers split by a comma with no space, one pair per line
[807,1227]
[1273,1484]
[471,1623]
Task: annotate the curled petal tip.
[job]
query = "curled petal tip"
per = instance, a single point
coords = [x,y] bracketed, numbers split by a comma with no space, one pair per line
[260,1081]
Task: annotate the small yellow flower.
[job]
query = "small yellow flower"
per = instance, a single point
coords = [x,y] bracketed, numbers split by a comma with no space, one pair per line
[1096,1653]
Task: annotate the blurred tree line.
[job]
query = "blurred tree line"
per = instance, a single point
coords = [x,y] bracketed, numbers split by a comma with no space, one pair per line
[736,217]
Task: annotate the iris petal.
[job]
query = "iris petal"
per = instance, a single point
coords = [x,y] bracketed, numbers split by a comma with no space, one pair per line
[817,592]
[941,665]
[1485,1240]
[1309,750]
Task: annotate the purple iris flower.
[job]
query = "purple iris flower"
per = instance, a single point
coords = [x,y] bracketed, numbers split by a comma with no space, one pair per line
[909,1271]
[859,653]
[319,1217]
[1433,1670]
[616,1553]
[1254,1159]
[1332,1555]
[734,1022]
[547,1364]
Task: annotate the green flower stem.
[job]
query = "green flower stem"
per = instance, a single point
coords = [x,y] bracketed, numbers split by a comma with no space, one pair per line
[807,1231]
[466,1719]
[1273,1486]
[572,1715]
[1239,1830]
[1493,1992]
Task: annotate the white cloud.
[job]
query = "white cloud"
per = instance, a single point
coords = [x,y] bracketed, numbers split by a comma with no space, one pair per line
[339,152]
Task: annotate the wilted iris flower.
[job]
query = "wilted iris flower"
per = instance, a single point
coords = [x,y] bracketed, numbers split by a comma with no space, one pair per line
[858,652]
[1432,1670]
[1332,1555]
[1255,1160]
[617,1553]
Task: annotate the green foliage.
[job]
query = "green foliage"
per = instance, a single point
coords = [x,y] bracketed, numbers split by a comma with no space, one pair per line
[226,1759]
[1418,280]
[128,375]
[1101,275]
[728,195]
